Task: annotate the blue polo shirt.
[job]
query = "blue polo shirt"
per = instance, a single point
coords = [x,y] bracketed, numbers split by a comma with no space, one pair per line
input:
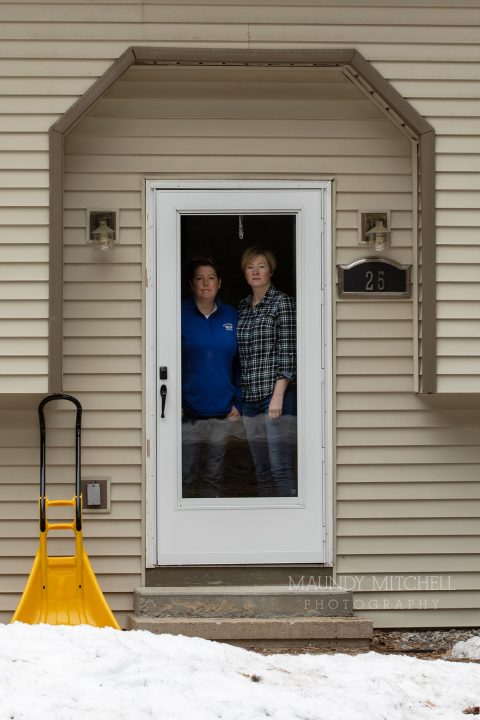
[210,377]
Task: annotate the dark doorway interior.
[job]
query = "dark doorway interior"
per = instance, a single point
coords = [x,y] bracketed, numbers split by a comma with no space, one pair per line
[217,236]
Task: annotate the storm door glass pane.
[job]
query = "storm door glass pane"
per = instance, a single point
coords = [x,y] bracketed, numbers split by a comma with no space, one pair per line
[239,418]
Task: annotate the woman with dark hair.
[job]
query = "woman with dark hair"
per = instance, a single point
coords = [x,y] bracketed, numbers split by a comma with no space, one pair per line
[209,388]
[267,351]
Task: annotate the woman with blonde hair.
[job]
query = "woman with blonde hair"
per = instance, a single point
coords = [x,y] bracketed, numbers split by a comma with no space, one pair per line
[266,335]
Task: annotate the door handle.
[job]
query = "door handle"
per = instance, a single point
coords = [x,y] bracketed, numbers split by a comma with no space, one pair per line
[163,395]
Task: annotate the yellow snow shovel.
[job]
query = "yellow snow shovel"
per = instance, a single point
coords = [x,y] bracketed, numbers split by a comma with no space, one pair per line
[62,590]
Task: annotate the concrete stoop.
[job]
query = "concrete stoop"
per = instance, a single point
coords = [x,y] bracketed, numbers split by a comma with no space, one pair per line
[252,616]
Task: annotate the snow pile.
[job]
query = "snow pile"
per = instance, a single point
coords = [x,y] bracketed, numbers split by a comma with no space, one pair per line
[467,649]
[85,673]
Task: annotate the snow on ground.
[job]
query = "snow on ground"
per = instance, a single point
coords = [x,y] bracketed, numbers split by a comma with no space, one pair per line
[73,673]
[467,649]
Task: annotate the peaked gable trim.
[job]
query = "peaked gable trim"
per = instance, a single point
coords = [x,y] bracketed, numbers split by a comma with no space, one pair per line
[372,82]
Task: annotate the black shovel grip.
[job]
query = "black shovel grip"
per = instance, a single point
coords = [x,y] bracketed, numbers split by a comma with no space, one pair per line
[78,425]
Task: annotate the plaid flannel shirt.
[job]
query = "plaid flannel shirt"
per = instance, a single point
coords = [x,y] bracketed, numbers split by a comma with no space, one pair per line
[266,343]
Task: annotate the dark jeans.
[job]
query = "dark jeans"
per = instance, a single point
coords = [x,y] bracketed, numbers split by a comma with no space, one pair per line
[211,434]
[272,444]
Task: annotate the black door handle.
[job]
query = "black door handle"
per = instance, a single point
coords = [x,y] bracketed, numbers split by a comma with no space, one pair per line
[163,395]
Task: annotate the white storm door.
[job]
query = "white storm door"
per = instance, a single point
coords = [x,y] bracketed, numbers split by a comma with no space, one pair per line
[238,526]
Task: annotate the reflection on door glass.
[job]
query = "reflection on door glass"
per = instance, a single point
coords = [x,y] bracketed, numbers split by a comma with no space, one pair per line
[239,404]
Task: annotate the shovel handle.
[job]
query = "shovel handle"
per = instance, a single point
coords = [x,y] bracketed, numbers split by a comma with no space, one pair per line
[78,424]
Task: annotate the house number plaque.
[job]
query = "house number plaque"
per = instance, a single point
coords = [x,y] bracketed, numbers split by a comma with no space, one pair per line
[374,277]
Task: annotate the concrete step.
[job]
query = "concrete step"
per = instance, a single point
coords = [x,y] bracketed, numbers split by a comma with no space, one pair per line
[265,633]
[268,601]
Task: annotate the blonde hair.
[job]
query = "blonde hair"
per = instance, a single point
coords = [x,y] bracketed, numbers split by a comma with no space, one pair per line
[253,252]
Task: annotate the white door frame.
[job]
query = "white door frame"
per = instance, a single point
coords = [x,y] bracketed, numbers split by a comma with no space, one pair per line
[151,336]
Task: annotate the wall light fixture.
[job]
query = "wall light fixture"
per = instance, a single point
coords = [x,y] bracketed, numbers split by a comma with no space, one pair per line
[102,229]
[374,229]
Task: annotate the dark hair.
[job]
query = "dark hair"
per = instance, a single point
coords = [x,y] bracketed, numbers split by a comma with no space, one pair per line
[197,262]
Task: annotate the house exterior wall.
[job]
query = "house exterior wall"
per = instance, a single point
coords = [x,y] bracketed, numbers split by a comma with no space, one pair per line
[406,466]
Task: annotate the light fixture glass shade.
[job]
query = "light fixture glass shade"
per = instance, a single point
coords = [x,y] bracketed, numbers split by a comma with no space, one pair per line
[103,236]
[378,234]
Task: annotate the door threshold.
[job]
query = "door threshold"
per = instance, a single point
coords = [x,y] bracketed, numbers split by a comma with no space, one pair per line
[215,575]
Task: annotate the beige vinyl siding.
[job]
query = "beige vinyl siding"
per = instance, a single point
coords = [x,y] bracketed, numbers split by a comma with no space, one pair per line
[391,443]
[54,51]
[408,510]
[449,97]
